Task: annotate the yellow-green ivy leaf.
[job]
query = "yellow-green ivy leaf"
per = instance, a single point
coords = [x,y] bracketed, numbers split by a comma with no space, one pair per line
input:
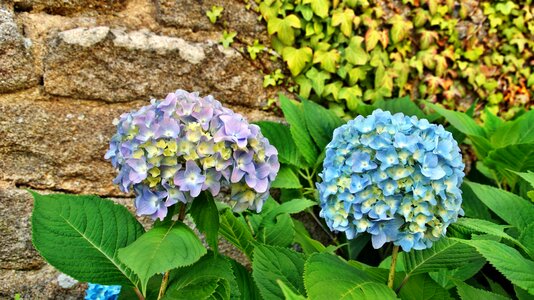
[333,89]
[356,74]
[284,28]
[327,59]
[474,54]
[372,36]
[319,7]
[427,38]
[305,86]
[441,65]
[297,59]
[401,28]
[352,95]
[344,18]
[354,53]
[318,79]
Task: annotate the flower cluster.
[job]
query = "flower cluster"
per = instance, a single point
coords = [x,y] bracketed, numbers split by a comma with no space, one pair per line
[393,176]
[102,292]
[173,149]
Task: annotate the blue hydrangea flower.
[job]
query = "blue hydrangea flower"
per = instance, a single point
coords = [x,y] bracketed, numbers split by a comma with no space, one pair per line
[102,292]
[171,150]
[395,177]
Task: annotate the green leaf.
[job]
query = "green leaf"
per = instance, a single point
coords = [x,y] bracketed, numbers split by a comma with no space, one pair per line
[468,292]
[290,207]
[289,294]
[447,278]
[206,216]
[297,59]
[80,236]
[245,283]
[303,238]
[422,287]
[507,261]
[511,208]
[327,59]
[211,277]
[352,95]
[284,28]
[297,127]
[320,122]
[445,253]
[372,36]
[354,53]
[401,28]
[527,176]
[460,121]
[344,18]
[214,13]
[279,136]
[519,131]
[286,179]
[271,264]
[228,38]
[317,79]
[319,7]
[403,105]
[328,277]
[487,227]
[236,231]
[278,231]
[160,250]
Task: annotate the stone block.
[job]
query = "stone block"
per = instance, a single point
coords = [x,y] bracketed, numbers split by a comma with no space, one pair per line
[16,62]
[114,65]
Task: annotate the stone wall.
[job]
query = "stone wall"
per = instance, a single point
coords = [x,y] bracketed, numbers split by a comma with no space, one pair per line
[68,68]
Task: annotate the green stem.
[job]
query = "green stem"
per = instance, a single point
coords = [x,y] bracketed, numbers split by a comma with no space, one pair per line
[391,276]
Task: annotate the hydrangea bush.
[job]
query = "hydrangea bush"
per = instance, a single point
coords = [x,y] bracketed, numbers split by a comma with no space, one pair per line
[171,150]
[393,176]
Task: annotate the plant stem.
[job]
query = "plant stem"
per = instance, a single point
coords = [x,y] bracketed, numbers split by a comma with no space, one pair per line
[163,286]
[402,284]
[138,293]
[391,276]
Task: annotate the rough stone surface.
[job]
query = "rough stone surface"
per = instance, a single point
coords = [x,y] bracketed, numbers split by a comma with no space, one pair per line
[65,7]
[16,63]
[17,251]
[114,65]
[192,14]
[37,284]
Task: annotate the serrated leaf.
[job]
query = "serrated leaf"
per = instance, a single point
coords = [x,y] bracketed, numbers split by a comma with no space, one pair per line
[297,127]
[290,207]
[236,231]
[354,53]
[286,179]
[279,136]
[468,292]
[297,59]
[245,283]
[511,208]
[206,217]
[328,277]
[327,59]
[446,278]
[460,121]
[352,95]
[271,264]
[320,122]
[517,157]
[487,227]
[162,249]
[519,131]
[422,287]
[211,277]
[507,261]
[289,294]
[444,254]
[80,236]
[344,20]
[277,231]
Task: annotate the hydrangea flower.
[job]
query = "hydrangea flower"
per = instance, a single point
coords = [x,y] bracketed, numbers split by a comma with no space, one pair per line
[171,150]
[102,292]
[395,177]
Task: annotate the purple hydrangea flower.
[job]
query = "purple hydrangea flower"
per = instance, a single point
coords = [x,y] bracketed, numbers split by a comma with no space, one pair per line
[394,177]
[171,150]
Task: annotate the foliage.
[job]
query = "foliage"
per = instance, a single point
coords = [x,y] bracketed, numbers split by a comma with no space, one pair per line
[488,253]
[354,51]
